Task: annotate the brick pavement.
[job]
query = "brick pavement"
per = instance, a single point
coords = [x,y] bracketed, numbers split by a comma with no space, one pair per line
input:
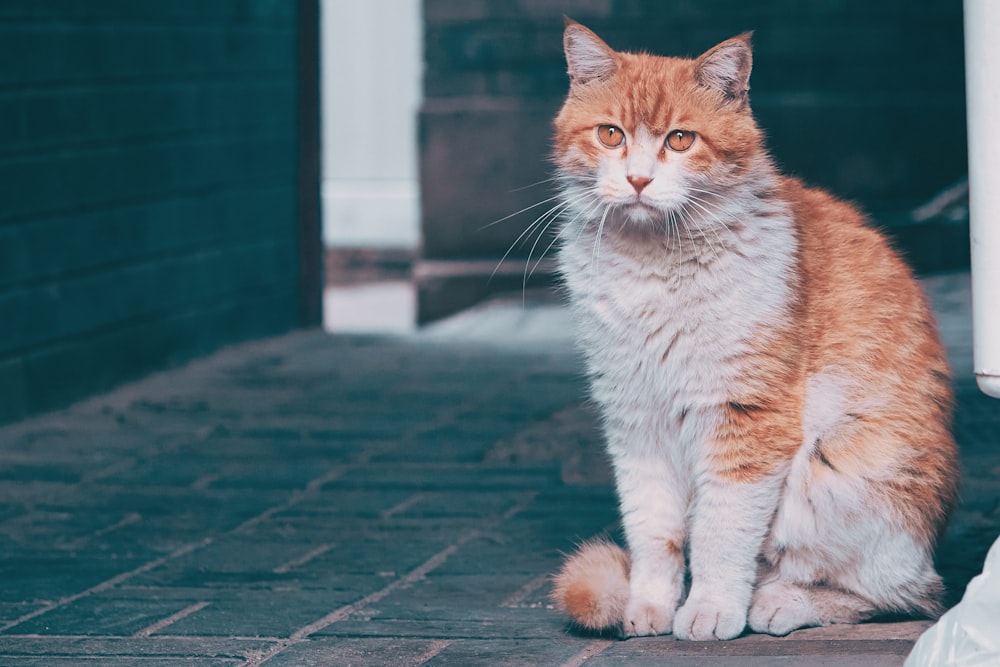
[356,500]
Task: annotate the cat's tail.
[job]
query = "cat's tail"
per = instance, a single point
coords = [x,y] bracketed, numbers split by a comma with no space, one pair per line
[592,585]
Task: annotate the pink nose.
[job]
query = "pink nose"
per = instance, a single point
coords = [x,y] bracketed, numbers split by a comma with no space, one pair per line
[639,183]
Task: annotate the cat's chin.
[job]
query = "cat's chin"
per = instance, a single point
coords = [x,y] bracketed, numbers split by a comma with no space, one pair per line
[641,212]
[638,218]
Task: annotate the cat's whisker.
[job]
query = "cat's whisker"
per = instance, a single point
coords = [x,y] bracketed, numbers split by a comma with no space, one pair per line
[536,184]
[710,193]
[523,210]
[673,230]
[542,223]
[715,232]
[694,244]
[712,217]
[595,262]
[531,251]
[585,213]
[553,212]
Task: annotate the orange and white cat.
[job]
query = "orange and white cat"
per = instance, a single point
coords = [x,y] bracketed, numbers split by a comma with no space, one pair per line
[775,399]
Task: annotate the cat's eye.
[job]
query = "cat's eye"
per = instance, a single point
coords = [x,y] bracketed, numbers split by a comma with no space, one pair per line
[610,136]
[680,140]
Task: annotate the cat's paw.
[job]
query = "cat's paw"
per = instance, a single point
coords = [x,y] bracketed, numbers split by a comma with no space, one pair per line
[778,609]
[644,618]
[702,619]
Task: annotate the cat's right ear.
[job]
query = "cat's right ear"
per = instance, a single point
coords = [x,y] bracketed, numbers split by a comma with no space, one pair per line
[587,56]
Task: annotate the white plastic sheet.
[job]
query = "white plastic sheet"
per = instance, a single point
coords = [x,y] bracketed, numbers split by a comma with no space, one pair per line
[969,634]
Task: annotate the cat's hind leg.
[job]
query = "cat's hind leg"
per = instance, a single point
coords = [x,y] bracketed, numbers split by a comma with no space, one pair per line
[845,544]
[779,607]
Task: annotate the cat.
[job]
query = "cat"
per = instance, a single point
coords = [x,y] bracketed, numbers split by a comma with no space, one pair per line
[775,400]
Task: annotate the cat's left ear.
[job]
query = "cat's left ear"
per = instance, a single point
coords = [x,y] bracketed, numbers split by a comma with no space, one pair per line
[726,70]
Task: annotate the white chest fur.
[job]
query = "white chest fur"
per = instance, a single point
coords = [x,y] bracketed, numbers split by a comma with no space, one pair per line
[662,324]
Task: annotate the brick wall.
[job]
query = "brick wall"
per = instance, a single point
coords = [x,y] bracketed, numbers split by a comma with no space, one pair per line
[864,98]
[148,174]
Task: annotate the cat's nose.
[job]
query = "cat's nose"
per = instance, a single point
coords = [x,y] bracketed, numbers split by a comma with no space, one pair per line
[639,183]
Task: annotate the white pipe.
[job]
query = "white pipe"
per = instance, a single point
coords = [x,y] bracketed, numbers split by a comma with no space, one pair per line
[982,80]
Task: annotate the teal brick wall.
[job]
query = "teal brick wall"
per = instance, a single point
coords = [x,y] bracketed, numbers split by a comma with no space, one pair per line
[148,187]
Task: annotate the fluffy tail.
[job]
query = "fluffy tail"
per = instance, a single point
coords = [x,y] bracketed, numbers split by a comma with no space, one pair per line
[592,585]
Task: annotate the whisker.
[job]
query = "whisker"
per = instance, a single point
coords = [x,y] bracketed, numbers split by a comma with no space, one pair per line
[554,211]
[712,217]
[715,217]
[516,213]
[586,212]
[595,261]
[535,184]
[674,232]
[527,262]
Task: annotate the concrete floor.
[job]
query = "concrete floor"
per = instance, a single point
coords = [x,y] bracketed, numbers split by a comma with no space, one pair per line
[363,499]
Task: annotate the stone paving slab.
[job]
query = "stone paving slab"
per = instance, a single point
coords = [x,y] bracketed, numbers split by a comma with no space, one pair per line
[365,500]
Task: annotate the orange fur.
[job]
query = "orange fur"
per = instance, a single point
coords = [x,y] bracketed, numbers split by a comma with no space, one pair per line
[592,585]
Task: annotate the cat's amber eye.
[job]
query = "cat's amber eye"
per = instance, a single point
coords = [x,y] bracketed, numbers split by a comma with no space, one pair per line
[680,140]
[610,136]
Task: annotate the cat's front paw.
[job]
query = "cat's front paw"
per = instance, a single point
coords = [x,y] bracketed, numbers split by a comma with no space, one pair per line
[777,609]
[702,619]
[644,618]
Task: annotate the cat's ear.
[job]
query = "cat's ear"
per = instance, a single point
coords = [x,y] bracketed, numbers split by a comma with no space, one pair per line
[587,56]
[726,69]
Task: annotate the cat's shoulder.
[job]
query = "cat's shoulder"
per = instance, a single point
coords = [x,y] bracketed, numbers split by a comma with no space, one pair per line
[836,235]
[811,205]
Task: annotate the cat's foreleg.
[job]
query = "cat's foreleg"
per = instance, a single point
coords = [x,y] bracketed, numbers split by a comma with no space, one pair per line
[653,508]
[728,526]
[738,484]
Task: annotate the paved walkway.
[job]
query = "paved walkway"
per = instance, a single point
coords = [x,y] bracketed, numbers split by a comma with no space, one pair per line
[364,500]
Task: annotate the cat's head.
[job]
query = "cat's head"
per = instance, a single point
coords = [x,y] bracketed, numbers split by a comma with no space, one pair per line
[650,135]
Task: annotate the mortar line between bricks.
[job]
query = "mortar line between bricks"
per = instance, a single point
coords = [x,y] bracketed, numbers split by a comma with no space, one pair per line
[592,649]
[297,497]
[127,520]
[302,634]
[170,620]
[284,568]
[433,650]
[402,506]
[418,573]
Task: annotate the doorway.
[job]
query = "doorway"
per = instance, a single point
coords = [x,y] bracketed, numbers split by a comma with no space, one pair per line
[372,63]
